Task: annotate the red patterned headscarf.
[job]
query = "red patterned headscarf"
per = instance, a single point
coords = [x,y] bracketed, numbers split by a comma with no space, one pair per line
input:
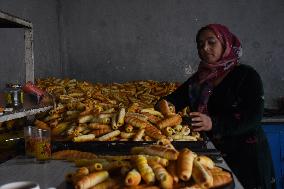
[230,57]
[206,73]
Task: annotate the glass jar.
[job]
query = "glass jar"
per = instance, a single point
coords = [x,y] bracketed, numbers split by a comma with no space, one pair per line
[14,96]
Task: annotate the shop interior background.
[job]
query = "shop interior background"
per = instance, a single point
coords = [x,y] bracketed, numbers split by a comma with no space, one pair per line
[124,40]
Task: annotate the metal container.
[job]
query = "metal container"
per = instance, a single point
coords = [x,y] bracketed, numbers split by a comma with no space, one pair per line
[14,96]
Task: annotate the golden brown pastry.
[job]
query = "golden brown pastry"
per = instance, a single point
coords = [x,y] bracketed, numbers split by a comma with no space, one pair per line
[153,132]
[157,150]
[41,125]
[164,162]
[162,175]
[98,126]
[58,129]
[220,177]
[95,167]
[136,122]
[128,128]
[107,184]
[92,180]
[185,164]
[145,170]
[86,118]
[73,154]
[172,168]
[100,132]
[121,117]
[171,121]
[84,138]
[133,178]
[201,175]
[109,135]
[206,161]
[152,118]
[164,108]
[79,174]
[134,107]
[138,136]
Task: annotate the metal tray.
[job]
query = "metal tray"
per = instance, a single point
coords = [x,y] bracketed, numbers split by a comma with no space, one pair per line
[230,185]
[123,147]
[120,147]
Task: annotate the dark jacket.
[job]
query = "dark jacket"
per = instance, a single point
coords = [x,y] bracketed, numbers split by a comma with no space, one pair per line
[236,107]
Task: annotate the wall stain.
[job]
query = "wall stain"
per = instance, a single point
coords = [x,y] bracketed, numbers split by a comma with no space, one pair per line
[188,70]
[268,57]
[256,45]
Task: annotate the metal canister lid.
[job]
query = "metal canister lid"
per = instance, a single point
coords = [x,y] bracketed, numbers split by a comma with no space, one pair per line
[13,85]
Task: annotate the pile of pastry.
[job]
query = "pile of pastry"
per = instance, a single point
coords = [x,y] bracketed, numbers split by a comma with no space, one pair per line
[115,112]
[154,166]
[71,92]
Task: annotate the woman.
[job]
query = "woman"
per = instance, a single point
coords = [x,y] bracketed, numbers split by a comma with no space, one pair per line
[226,99]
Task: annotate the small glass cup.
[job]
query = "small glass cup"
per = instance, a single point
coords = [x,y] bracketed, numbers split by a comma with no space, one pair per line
[42,145]
[29,135]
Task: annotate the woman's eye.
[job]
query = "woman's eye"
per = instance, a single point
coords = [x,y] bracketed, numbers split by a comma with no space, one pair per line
[211,41]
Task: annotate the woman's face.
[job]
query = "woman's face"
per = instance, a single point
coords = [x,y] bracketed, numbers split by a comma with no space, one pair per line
[209,47]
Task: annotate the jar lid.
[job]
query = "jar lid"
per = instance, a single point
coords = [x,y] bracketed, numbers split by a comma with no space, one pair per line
[13,85]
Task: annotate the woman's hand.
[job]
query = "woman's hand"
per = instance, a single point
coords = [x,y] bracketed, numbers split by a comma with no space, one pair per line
[200,121]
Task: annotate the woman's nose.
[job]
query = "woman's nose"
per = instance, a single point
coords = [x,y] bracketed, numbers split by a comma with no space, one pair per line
[205,47]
